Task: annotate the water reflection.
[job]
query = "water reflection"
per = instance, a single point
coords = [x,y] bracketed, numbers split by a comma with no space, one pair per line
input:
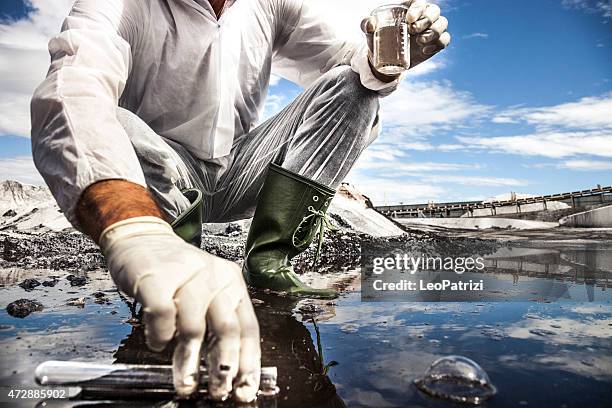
[516,271]
[286,344]
[589,266]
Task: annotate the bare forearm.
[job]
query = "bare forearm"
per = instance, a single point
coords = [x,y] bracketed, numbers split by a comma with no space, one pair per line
[107,202]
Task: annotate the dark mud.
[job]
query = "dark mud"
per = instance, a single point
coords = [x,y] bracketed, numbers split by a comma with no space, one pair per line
[52,250]
[23,307]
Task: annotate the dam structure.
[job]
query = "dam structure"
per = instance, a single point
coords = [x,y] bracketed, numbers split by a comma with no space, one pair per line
[576,199]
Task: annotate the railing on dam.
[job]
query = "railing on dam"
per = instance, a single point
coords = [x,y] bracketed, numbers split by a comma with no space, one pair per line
[456,209]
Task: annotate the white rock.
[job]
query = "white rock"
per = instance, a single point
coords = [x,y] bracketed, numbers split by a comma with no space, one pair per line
[21,197]
[357,211]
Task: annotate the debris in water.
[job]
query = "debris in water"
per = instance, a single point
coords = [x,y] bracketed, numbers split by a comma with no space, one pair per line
[458,379]
[100,297]
[50,283]
[349,328]
[23,307]
[29,284]
[134,321]
[79,302]
[76,280]
[492,333]
[309,310]
[542,332]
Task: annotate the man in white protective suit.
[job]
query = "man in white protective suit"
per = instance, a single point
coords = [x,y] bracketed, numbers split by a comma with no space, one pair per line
[145,127]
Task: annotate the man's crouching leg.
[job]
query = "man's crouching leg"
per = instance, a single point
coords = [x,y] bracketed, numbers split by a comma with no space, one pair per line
[337,121]
[340,122]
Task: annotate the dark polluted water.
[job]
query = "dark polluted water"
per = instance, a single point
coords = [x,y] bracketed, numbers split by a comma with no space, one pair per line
[352,353]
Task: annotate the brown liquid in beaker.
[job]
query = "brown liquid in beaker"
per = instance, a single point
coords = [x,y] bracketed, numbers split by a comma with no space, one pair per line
[391,49]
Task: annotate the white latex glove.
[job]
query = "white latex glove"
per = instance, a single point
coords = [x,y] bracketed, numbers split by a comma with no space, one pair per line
[184,291]
[426,26]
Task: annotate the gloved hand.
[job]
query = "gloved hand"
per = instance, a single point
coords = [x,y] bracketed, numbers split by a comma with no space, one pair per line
[426,26]
[183,291]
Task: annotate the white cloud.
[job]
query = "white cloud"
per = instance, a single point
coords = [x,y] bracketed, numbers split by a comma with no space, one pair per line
[418,109]
[274,104]
[21,169]
[25,60]
[381,152]
[593,112]
[407,167]
[433,64]
[547,144]
[475,180]
[274,80]
[604,7]
[587,165]
[382,191]
[476,35]
[450,147]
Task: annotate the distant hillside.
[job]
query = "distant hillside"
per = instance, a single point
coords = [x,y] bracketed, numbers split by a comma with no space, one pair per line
[18,197]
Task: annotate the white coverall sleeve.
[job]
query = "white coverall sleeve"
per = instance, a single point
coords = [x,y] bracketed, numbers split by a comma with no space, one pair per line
[76,137]
[309,47]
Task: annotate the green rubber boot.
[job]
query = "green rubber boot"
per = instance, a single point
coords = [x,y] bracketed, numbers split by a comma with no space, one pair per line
[290,212]
[188,225]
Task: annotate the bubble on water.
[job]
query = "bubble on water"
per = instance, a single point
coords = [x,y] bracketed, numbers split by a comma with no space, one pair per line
[458,379]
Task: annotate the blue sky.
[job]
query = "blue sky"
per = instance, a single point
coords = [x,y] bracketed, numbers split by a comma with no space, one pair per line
[521,101]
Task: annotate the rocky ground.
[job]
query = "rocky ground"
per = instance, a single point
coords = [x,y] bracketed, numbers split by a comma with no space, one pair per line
[72,251]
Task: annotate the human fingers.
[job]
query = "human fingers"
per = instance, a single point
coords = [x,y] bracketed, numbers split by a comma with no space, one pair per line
[159,312]
[222,346]
[429,16]
[190,326]
[247,380]
[368,25]
[438,45]
[415,10]
[434,31]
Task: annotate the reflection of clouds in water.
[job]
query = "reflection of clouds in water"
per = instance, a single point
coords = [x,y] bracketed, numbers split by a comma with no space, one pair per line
[390,374]
[585,363]
[85,342]
[61,332]
[592,309]
[562,330]
[363,398]
[364,313]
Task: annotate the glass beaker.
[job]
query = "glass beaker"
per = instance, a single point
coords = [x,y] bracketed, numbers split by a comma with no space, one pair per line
[391,45]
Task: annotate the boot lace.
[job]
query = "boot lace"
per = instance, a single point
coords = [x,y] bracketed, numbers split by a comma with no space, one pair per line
[321,222]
